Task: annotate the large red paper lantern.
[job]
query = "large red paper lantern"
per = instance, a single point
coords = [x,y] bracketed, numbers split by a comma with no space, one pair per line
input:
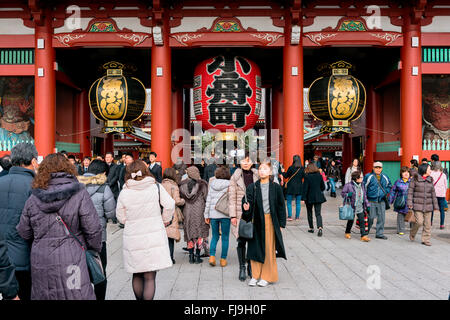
[227,93]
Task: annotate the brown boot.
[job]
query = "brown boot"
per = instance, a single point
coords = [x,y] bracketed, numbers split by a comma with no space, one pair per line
[365,239]
[223,262]
[212,261]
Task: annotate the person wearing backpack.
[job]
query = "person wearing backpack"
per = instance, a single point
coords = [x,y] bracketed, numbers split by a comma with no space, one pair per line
[378,187]
[102,196]
[398,197]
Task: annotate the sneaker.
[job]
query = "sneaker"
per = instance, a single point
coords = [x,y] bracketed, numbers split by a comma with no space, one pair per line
[262,283]
[401,233]
[311,230]
[289,219]
[381,237]
[252,282]
[348,236]
[441,227]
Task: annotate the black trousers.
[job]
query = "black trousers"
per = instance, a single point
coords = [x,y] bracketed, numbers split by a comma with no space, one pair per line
[317,210]
[242,243]
[24,280]
[100,289]
[360,217]
[171,246]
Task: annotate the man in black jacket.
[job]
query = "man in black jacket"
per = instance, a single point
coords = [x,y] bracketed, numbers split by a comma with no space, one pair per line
[15,189]
[8,283]
[128,159]
[113,175]
[155,169]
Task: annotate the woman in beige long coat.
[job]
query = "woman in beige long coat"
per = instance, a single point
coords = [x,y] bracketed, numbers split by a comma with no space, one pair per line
[242,177]
[145,245]
[169,183]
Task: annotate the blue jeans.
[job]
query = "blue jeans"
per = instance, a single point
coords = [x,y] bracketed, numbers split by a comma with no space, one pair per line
[441,202]
[333,184]
[225,227]
[377,210]
[289,199]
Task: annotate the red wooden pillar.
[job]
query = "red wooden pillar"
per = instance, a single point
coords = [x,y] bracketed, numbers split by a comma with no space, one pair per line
[45,88]
[277,120]
[83,123]
[411,93]
[161,121]
[109,143]
[371,129]
[292,97]
[347,151]
[177,113]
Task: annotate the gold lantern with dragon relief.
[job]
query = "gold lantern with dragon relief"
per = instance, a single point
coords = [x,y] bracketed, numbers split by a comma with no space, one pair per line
[117,99]
[337,98]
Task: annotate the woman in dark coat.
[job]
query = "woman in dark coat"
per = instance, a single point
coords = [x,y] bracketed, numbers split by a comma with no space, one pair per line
[313,188]
[266,207]
[295,173]
[333,173]
[194,191]
[58,263]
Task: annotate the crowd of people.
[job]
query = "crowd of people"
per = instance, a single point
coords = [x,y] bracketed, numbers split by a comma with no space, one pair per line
[52,212]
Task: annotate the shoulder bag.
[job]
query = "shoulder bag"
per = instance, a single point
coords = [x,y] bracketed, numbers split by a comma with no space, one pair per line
[346,211]
[386,201]
[246,228]
[289,179]
[222,205]
[160,206]
[93,261]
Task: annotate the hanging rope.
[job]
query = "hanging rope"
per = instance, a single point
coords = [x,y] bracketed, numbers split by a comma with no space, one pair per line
[77,133]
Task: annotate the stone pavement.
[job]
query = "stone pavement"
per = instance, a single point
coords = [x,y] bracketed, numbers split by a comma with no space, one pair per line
[330,267]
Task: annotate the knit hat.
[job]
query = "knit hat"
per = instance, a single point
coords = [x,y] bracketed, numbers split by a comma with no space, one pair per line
[193,173]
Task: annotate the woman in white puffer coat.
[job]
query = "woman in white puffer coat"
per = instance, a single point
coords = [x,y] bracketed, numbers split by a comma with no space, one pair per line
[145,244]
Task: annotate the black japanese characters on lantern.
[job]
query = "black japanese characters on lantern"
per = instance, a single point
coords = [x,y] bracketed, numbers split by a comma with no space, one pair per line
[227,93]
[117,99]
[338,98]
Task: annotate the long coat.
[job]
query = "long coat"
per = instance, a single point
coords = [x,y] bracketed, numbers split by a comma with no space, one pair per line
[171,187]
[8,283]
[313,188]
[56,257]
[145,244]
[294,185]
[421,194]
[195,202]
[237,191]
[256,246]
[15,189]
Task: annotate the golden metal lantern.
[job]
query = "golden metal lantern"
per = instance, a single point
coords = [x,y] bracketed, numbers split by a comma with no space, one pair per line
[337,99]
[117,99]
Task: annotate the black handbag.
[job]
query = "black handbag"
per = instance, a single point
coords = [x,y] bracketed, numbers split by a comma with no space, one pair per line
[93,261]
[245,230]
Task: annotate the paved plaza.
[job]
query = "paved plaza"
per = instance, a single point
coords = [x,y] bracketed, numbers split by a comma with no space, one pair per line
[330,267]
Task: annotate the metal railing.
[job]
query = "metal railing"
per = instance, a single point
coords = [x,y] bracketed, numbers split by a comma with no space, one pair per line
[7,145]
[436,144]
